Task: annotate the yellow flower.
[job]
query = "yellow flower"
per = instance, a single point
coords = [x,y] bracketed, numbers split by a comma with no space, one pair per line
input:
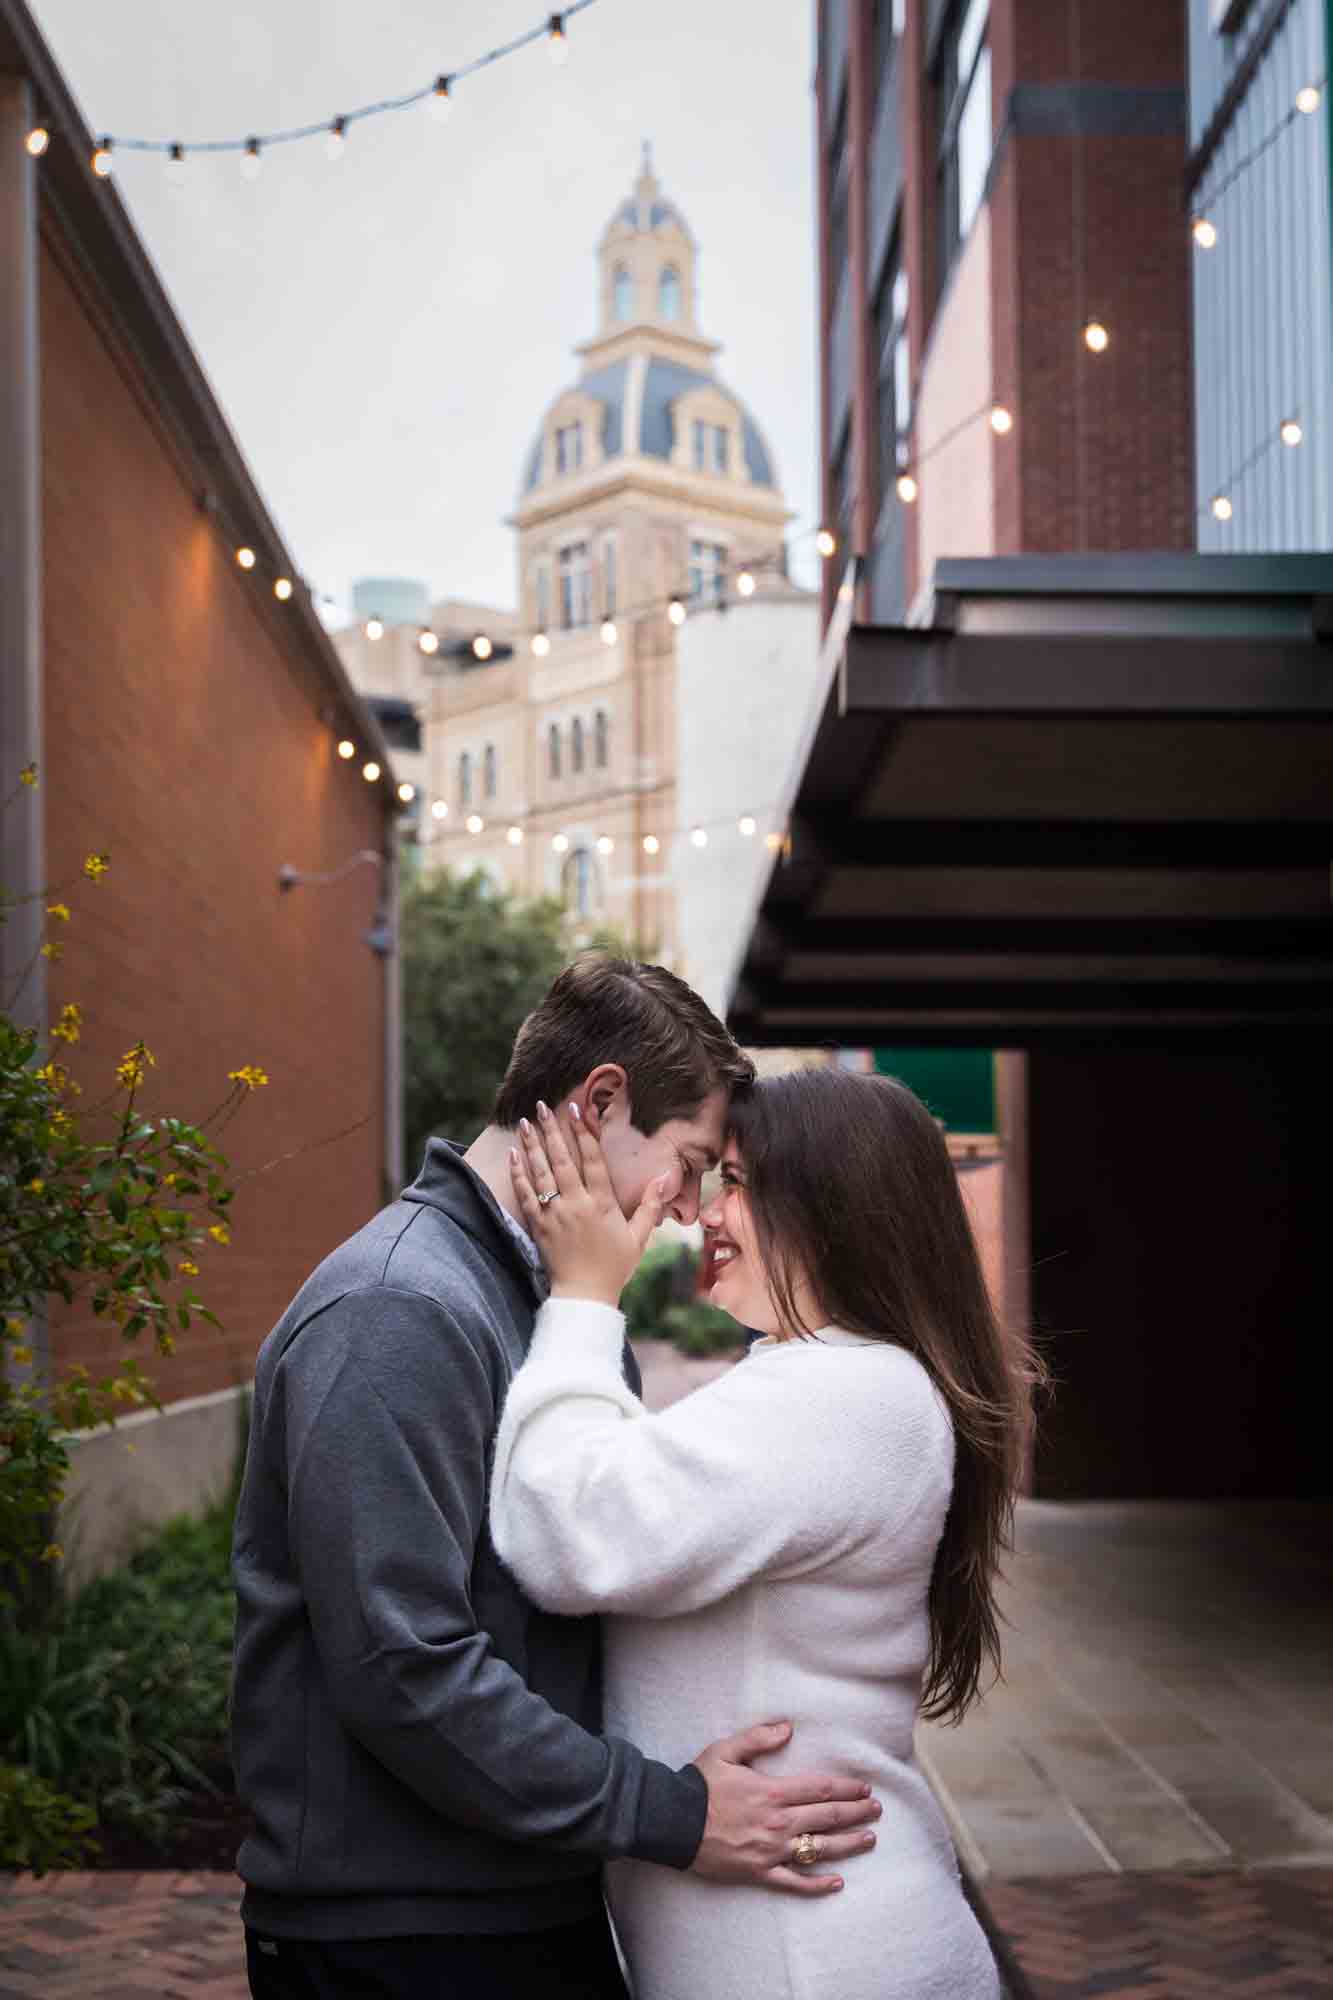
[67,1027]
[53,952]
[14,1327]
[96,865]
[23,1356]
[134,1066]
[58,912]
[52,1073]
[28,775]
[166,1343]
[220,1233]
[249,1078]
[36,1187]
[188,1267]
[53,1553]
[59,1121]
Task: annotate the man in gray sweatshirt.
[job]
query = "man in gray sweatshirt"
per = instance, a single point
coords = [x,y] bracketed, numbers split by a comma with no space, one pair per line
[418,1743]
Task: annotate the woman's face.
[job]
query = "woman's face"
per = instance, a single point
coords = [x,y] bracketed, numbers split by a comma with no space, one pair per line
[740,1284]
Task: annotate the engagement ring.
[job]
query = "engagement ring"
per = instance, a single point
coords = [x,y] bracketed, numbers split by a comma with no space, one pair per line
[552,1194]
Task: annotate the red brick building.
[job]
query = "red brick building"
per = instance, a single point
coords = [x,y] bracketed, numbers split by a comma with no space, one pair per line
[185,716]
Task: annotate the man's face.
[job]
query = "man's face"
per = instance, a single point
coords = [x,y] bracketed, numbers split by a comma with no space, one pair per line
[681,1148]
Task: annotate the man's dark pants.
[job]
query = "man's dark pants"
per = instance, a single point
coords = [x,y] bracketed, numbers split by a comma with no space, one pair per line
[574,1962]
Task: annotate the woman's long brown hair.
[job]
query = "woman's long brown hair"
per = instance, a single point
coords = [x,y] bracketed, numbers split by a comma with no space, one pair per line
[851,1187]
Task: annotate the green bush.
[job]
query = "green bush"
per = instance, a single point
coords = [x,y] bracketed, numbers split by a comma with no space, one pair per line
[699,1328]
[665,1277]
[41,1828]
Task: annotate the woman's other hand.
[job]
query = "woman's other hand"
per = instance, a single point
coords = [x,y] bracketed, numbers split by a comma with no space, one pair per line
[589,1247]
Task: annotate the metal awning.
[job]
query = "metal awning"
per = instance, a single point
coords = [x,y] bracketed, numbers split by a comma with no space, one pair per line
[1088,796]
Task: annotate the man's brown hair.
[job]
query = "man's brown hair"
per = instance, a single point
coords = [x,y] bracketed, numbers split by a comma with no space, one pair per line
[673,1050]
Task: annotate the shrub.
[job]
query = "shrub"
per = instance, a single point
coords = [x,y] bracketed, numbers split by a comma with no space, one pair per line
[699,1328]
[664,1277]
[40,1828]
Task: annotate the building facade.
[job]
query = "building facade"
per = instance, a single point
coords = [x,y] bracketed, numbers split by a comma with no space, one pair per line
[1257,179]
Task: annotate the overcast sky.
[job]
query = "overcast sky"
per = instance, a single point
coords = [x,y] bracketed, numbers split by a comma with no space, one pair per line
[384,332]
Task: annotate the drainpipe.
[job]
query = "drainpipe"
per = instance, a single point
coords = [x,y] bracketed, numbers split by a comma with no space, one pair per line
[23,867]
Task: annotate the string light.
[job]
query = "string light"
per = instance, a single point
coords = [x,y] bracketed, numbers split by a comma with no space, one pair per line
[282,588]
[1307,99]
[608,631]
[1291,432]
[438,103]
[907,488]
[475,823]
[676,611]
[745,583]
[407,792]
[541,645]
[336,143]
[773,841]
[651,843]
[251,161]
[374,629]
[560,842]
[370,772]
[482,647]
[246,557]
[1205,233]
[605,844]
[515,836]
[558,40]
[1222,507]
[427,641]
[826,542]
[102,159]
[1095,337]
[37,141]
[346,748]
[1001,420]
[698,837]
[176,166]
[440,809]
[746,826]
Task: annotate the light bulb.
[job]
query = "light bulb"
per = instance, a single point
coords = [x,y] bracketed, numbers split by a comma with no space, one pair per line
[541,645]
[746,826]
[407,793]
[374,628]
[515,836]
[907,488]
[282,588]
[440,809]
[251,161]
[337,139]
[1222,507]
[676,611]
[482,647]
[826,542]
[346,748]
[37,141]
[1292,432]
[557,40]
[560,842]
[1095,337]
[745,583]
[438,103]
[698,837]
[651,843]
[428,641]
[605,844]
[102,159]
[772,841]
[370,771]
[1205,233]
[608,631]
[246,558]
[1001,420]
[1307,99]
[475,823]
[176,165]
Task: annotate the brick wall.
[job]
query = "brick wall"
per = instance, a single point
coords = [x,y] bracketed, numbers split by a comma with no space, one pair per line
[184,736]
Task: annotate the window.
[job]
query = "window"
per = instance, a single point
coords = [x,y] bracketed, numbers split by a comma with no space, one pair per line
[465,778]
[840,475]
[576,744]
[553,750]
[569,448]
[890,26]
[895,369]
[839,176]
[708,569]
[575,586]
[543,597]
[601,739]
[578,881]
[609,579]
[488,772]
[668,293]
[710,447]
[963,110]
[622,293]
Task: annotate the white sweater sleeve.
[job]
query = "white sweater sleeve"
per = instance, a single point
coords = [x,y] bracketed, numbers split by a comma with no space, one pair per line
[598,1506]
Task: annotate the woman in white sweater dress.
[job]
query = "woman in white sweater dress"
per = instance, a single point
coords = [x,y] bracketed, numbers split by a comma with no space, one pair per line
[811,1537]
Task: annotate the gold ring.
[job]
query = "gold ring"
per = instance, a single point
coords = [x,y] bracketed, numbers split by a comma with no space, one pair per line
[805,1850]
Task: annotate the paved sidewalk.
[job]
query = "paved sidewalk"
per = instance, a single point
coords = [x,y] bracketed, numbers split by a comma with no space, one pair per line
[121,1937]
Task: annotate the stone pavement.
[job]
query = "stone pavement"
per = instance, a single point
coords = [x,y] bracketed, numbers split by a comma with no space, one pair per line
[121,1937]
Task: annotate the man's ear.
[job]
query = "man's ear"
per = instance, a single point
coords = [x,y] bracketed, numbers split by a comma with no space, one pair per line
[605,1086]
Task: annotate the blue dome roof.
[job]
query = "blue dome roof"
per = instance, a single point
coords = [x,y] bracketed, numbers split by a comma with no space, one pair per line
[664,383]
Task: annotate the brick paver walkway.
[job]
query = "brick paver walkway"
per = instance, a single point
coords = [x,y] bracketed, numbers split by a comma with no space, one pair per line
[111,1936]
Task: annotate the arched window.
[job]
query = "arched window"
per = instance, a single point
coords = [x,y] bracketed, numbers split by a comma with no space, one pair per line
[553,749]
[668,293]
[488,772]
[622,293]
[601,739]
[465,778]
[576,744]
[578,882]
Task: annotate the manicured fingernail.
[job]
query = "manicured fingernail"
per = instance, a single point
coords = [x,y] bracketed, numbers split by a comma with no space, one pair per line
[868,1840]
[574,1111]
[513,1156]
[525,1128]
[543,1110]
[835,1884]
[878,1810]
[865,1791]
